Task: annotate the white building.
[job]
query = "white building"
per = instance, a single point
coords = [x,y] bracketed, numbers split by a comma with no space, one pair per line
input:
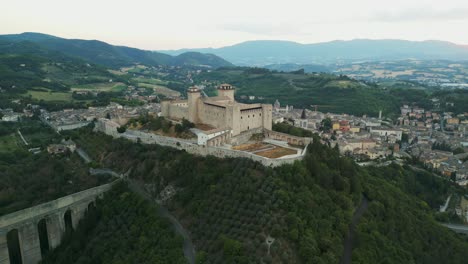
[386,132]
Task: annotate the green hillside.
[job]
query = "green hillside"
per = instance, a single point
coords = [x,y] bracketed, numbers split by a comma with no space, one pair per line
[230,206]
[331,93]
[47,80]
[122,228]
[99,52]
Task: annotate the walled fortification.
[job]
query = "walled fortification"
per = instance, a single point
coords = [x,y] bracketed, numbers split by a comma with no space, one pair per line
[293,140]
[192,147]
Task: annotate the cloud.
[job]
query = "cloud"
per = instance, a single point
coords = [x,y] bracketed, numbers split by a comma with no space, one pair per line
[421,14]
[260,28]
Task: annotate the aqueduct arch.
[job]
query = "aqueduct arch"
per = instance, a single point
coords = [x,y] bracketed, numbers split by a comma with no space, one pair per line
[26,235]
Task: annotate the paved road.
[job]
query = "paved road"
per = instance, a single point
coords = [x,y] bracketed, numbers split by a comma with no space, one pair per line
[444,207]
[83,155]
[189,249]
[104,171]
[457,228]
[350,237]
[24,140]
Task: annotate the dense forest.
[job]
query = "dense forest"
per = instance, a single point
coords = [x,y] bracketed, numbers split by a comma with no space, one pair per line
[28,179]
[121,228]
[231,206]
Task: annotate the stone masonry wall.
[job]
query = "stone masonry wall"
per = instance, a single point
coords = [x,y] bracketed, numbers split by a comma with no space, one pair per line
[192,147]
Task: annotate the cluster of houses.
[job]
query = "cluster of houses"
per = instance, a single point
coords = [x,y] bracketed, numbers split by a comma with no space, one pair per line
[63,147]
[418,117]
[75,118]
[9,115]
[361,137]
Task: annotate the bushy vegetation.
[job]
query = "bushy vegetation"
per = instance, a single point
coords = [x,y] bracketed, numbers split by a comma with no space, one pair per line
[398,226]
[163,125]
[458,97]
[27,180]
[122,228]
[292,130]
[230,206]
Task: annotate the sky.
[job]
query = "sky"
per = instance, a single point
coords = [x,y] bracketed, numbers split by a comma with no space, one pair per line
[175,24]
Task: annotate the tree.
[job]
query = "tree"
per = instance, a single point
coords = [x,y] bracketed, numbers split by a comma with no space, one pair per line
[326,124]
[121,129]
[458,150]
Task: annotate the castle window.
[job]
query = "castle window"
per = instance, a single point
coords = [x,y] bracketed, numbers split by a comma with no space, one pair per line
[260,114]
[253,116]
[248,116]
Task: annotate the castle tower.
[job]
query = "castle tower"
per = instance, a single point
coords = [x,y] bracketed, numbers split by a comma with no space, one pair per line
[226,90]
[193,95]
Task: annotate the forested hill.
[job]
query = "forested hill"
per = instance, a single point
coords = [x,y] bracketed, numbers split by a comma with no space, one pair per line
[230,206]
[99,52]
[264,52]
[331,93]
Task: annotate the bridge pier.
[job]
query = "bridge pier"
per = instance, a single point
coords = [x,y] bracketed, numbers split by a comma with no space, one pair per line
[4,257]
[55,229]
[29,243]
[77,214]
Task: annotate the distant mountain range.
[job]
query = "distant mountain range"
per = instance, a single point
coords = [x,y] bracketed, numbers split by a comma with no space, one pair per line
[265,52]
[99,52]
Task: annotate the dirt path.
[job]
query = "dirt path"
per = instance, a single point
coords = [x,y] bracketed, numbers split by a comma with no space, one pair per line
[350,237]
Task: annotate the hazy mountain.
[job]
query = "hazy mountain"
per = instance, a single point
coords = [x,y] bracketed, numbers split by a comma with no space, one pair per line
[264,52]
[100,52]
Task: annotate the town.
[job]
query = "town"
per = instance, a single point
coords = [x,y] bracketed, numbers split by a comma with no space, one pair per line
[436,139]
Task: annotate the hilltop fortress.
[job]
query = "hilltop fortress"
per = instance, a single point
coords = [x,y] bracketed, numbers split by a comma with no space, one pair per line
[223,128]
[221,112]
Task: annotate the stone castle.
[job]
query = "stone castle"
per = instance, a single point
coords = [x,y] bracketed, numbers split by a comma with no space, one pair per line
[220,112]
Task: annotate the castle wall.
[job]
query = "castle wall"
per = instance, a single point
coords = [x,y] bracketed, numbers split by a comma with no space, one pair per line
[178,112]
[212,115]
[227,93]
[192,147]
[245,136]
[300,141]
[267,116]
[193,106]
[250,119]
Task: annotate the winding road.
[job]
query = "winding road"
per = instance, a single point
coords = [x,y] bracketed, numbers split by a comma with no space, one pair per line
[350,237]
[189,249]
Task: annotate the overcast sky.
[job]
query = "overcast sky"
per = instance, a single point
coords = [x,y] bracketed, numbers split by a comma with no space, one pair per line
[173,24]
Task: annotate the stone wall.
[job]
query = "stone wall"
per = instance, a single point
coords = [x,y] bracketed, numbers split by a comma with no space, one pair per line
[178,111]
[251,118]
[192,147]
[245,136]
[299,141]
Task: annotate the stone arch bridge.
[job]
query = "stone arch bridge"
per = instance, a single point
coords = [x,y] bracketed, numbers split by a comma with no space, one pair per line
[28,234]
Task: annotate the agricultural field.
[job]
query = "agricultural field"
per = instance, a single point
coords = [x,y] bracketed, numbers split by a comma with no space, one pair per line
[150,81]
[100,87]
[50,95]
[159,89]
